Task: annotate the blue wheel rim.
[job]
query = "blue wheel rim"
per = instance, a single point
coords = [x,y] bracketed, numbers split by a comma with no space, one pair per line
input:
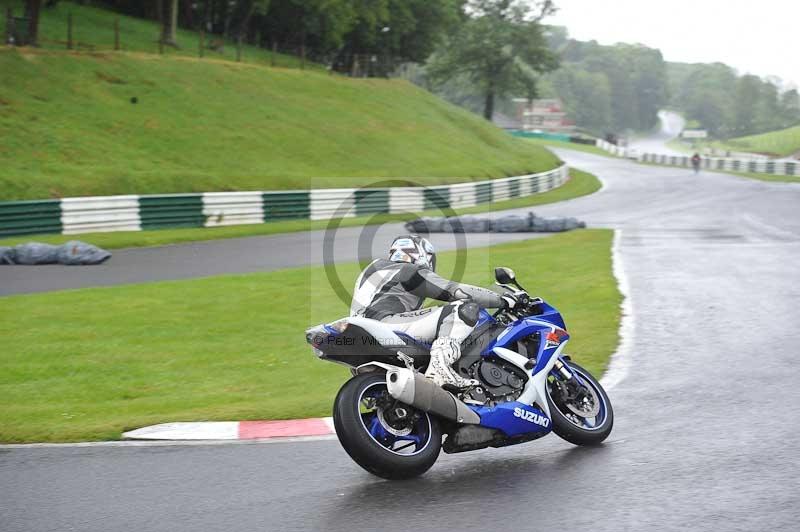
[394,441]
[588,424]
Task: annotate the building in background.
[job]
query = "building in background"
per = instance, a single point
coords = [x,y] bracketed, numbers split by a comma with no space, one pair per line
[545,115]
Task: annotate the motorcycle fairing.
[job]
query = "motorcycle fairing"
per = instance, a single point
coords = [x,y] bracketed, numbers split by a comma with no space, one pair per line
[514,419]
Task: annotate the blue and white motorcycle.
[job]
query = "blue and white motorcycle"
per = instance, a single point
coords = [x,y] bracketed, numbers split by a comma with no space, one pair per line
[391,420]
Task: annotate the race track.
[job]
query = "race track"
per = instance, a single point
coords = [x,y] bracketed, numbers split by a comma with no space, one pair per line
[705,435]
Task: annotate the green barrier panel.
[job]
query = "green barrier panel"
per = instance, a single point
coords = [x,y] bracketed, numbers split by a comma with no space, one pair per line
[791,168]
[546,136]
[437,198]
[751,166]
[286,205]
[770,167]
[171,210]
[372,201]
[30,217]
[483,193]
[513,188]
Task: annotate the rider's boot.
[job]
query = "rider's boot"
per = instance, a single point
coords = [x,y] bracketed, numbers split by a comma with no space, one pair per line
[444,352]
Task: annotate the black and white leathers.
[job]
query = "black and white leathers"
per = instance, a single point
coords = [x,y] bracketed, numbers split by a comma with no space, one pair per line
[385,288]
[394,292]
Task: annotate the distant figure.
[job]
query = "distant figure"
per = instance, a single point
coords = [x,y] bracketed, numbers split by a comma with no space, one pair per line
[696,162]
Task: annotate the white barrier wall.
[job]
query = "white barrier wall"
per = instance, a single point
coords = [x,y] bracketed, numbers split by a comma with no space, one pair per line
[213,209]
[100,214]
[232,208]
[761,166]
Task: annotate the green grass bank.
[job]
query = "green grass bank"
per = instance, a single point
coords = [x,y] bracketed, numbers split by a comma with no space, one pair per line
[782,143]
[89,364]
[70,127]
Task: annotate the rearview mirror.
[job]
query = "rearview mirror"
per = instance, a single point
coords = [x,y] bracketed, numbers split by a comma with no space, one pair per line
[504,275]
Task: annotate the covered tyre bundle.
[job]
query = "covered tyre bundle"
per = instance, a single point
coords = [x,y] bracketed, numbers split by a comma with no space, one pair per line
[505,224]
[70,253]
[76,252]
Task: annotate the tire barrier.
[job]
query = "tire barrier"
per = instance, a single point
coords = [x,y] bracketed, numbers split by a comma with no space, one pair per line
[506,224]
[725,164]
[212,209]
[72,253]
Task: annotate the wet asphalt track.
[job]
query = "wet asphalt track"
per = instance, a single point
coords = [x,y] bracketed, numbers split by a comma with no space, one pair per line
[706,436]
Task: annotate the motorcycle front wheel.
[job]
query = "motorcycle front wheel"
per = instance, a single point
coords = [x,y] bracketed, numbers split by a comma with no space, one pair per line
[581,415]
[388,438]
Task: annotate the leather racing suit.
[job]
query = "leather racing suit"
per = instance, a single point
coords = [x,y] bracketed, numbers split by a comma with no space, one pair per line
[393,292]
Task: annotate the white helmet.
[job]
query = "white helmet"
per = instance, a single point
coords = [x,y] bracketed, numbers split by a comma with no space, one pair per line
[413,249]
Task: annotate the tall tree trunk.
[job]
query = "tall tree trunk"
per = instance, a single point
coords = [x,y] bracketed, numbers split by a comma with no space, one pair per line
[488,105]
[188,14]
[161,20]
[245,22]
[32,9]
[173,23]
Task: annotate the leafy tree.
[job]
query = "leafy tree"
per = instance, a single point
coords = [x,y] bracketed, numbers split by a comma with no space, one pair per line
[586,96]
[790,107]
[746,94]
[500,47]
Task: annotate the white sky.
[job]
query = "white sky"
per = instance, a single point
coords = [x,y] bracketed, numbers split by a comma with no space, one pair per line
[759,37]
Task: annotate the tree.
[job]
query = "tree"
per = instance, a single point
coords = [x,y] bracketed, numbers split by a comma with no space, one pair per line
[747,93]
[790,107]
[586,96]
[498,47]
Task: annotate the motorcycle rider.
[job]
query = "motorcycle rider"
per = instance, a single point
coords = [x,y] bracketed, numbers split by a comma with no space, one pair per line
[393,290]
[696,159]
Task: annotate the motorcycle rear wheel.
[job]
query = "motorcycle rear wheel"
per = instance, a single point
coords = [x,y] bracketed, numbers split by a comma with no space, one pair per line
[576,429]
[364,415]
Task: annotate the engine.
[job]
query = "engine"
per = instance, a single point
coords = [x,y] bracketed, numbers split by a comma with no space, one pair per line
[501,380]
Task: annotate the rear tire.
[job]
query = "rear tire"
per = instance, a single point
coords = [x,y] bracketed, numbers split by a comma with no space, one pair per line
[568,429]
[362,446]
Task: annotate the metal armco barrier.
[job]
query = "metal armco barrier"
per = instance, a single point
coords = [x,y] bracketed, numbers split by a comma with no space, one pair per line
[212,209]
[760,166]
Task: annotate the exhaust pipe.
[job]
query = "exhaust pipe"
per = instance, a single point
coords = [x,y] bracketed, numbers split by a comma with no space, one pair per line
[412,388]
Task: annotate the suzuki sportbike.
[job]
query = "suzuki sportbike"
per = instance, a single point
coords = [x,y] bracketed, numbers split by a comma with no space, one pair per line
[393,422]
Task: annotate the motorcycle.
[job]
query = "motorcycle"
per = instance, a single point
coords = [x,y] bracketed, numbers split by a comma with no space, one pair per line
[391,420]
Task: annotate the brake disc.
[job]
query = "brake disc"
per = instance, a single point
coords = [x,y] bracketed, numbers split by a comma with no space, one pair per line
[405,431]
[587,406]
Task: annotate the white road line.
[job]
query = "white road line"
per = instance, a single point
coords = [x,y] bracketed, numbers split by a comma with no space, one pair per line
[164,443]
[620,362]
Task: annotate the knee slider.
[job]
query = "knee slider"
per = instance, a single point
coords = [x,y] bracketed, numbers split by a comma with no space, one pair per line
[468,312]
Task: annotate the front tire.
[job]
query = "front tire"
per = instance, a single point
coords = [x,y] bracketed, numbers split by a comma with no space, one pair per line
[370,431]
[568,424]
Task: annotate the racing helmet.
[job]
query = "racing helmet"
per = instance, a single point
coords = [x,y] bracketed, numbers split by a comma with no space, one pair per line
[414,249]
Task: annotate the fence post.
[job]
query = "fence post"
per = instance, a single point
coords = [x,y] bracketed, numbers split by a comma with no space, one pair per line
[69,31]
[202,45]
[239,48]
[116,34]
[161,45]
[303,56]
[274,51]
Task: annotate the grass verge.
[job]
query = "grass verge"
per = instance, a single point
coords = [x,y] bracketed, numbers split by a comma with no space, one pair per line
[130,123]
[579,184]
[89,364]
